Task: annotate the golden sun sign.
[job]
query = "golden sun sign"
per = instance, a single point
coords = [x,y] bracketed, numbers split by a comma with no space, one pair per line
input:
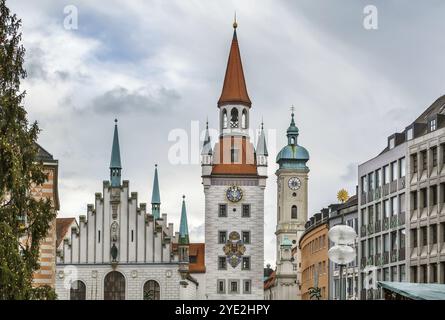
[342,196]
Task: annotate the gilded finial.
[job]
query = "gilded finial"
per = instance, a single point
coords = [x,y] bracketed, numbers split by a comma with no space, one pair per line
[342,196]
[235,24]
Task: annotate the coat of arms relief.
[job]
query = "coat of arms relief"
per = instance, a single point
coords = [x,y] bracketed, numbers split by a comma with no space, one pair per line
[234,249]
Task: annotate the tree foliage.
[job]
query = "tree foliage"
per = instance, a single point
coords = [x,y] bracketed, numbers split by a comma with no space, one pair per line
[24,220]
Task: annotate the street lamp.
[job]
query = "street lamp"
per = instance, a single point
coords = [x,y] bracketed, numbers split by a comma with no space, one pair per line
[342,253]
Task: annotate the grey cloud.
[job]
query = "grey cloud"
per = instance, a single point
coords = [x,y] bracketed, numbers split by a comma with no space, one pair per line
[351,172]
[121,100]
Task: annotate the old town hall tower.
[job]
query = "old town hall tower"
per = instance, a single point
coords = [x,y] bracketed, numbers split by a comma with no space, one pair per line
[234,175]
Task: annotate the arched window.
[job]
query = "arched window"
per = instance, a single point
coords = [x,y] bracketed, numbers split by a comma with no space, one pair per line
[78,290]
[152,291]
[234,118]
[114,286]
[292,140]
[225,119]
[244,119]
[294,212]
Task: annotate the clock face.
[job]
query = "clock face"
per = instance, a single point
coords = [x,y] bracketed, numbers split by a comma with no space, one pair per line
[294,183]
[234,194]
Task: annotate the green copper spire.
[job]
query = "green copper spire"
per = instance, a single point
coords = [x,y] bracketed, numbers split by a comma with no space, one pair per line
[115,162]
[292,131]
[183,228]
[155,197]
[293,156]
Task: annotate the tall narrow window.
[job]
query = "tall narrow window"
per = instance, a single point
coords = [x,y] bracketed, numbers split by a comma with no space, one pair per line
[222,210]
[98,236]
[246,237]
[424,160]
[246,211]
[225,119]
[414,160]
[244,119]
[222,237]
[433,125]
[434,152]
[234,155]
[386,174]
[246,263]
[132,235]
[234,118]
[222,263]
[247,286]
[221,286]
[294,213]
[402,167]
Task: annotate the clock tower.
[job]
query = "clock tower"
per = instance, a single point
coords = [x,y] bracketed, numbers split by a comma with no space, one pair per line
[292,212]
[234,176]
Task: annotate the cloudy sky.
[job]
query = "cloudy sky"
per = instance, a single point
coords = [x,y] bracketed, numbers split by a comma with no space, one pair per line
[159,66]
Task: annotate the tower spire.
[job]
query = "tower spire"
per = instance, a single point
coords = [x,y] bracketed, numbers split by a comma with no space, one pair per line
[234,88]
[155,197]
[207,145]
[115,162]
[262,146]
[183,228]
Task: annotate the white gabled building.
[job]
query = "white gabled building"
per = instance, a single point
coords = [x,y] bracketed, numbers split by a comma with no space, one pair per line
[121,251]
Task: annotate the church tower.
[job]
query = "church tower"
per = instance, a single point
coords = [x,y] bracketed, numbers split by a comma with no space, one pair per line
[234,178]
[292,212]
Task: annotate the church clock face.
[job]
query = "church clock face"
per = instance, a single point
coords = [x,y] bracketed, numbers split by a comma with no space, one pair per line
[234,194]
[294,183]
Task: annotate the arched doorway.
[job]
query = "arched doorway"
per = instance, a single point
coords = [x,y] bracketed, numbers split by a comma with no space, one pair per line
[78,290]
[114,286]
[152,291]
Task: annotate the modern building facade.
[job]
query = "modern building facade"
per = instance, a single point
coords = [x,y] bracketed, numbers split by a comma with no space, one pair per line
[234,178]
[345,213]
[314,246]
[400,206]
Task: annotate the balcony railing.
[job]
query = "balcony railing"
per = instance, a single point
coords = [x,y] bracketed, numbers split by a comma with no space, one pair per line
[402,218]
[401,254]
[394,221]
[378,259]
[377,193]
[378,226]
[393,186]
[394,256]
[370,228]
[385,257]
[363,230]
[385,223]
[363,198]
[401,183]
[363,262]
[385,189]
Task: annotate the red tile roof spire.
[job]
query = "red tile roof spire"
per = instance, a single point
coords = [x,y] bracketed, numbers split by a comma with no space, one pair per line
[234,88]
